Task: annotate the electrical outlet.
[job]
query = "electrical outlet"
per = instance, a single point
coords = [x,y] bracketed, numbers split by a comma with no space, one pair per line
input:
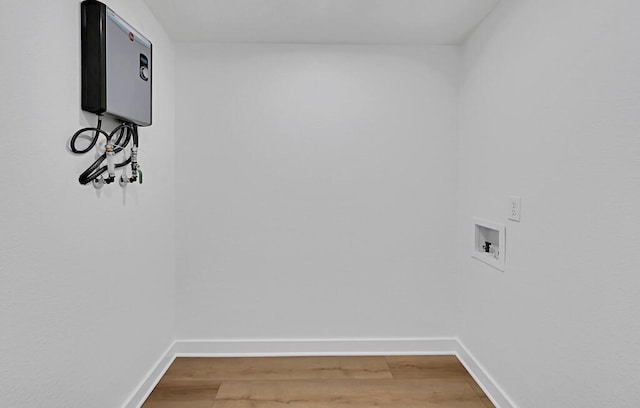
[515,206]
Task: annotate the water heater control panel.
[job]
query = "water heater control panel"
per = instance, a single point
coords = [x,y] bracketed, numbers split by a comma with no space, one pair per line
[116,66]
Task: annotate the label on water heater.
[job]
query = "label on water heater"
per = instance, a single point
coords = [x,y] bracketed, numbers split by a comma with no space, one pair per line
[130,31]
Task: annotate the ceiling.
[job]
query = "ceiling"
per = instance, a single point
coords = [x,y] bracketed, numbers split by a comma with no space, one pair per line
[322,21]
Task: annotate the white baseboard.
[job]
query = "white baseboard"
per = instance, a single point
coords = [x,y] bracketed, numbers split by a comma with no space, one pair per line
[151,379]
[320,347]
[482,377]
[313,347]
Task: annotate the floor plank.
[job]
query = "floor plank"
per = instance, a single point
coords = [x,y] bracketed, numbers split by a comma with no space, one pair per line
[275,368]
[348,394]
[434,367]
[182,395]
[177,393]
[487,402]
[421,367]
[156,403]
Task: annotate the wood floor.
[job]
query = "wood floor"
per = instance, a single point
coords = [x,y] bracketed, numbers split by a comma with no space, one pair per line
[318,382]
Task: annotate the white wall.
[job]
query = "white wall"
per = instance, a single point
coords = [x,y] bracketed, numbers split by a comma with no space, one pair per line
[316,191]
[551,111]
[77,329]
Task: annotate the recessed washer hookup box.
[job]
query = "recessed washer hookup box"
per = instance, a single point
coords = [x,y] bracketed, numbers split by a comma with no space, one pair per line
[116,66]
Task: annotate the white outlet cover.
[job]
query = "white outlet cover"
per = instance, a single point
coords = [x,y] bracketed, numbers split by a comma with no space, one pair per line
[515,208]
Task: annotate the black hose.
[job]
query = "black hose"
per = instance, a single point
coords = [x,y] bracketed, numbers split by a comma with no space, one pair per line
[125,131]
[98,131]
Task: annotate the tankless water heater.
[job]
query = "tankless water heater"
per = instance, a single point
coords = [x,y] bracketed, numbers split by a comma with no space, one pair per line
[116,66]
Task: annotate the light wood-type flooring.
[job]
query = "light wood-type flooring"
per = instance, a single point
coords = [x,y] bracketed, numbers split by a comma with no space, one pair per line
[318,382]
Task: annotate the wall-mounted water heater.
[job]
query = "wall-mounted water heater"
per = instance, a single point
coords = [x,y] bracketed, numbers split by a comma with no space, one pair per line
[116,81]
[116,66]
